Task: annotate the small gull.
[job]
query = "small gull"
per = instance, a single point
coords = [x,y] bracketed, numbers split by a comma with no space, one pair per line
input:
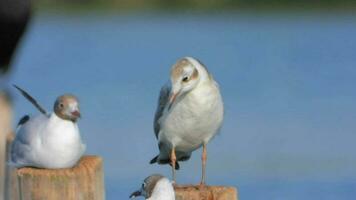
[189,114]
[155,187]
[49,140]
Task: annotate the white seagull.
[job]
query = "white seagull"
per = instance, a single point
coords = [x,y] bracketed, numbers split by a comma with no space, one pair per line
[189,114]
[155,187]
[49,140]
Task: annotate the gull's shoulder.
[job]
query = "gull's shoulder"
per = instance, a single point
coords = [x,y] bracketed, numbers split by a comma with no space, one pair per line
[29,127]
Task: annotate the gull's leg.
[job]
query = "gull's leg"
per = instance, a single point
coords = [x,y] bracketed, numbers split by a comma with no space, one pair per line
[203,160]
[173,162]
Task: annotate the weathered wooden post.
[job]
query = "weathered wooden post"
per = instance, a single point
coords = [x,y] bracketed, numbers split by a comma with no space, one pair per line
[192,192]
[85,181]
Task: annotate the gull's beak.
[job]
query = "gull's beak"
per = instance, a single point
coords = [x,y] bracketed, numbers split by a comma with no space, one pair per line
[76,114]
[174,93]
[135,194]
[172,99]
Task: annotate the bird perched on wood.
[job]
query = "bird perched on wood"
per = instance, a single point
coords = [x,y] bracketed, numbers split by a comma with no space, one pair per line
[189,114]
[49,140]
[155,187]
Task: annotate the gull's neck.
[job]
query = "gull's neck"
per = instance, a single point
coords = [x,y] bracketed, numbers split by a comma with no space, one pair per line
[56,118]
[163,190]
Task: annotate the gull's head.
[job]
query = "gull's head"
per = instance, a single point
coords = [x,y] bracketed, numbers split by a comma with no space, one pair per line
[67,107]
[185,76]
[147,186]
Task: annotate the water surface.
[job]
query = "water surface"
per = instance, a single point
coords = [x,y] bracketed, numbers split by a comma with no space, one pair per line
[288,83]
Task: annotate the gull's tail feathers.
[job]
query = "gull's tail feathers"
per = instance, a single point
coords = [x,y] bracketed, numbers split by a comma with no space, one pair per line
[163,162]
[31,99]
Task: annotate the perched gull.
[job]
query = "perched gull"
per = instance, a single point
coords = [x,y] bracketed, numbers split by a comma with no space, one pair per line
[189,114]
[155,187]
[49,140]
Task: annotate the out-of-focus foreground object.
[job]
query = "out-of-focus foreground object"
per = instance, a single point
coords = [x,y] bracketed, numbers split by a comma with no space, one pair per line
[85,181]
[191,192]
[14,16]
[5,123]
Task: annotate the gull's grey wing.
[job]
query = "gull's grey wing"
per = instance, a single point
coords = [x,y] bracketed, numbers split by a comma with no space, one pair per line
[31,99]
[162,103]
[27,137]
[20,151]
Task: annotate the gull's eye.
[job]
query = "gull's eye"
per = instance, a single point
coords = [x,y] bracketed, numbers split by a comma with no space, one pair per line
[143,185]
[61,105]
[185,79]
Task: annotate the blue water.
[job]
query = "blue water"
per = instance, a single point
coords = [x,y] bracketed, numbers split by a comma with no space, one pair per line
[288,83]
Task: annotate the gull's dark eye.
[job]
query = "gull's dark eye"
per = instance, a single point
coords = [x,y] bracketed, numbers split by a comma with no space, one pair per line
[61,105]
[185,79]
[143,185]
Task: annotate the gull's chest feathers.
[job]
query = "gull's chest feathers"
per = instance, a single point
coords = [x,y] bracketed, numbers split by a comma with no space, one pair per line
[195,105]
[195,117]
[61,143]
[59,131]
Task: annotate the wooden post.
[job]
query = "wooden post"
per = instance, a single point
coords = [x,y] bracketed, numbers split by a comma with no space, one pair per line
[5,123]
[82,182]
[191,192]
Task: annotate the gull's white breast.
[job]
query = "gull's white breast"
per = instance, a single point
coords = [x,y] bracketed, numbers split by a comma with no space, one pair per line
[195,118]
[50,143]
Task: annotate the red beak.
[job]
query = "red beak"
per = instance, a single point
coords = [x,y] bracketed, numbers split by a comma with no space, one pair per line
[76,114]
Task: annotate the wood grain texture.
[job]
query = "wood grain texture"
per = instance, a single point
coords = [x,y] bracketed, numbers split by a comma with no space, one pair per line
[82,182]
[193,192]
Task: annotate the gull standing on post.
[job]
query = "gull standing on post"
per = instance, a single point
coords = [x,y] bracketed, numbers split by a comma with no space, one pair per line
[189,114]
[155,187]
[49,140]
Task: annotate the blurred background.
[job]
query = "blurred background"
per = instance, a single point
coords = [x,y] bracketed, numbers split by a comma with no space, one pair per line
[286,69]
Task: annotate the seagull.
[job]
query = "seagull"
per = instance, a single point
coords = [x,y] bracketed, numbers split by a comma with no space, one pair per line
[155,187]
[189,114]
[49,140]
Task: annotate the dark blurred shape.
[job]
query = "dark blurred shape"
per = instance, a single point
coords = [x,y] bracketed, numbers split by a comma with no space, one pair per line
[14,16]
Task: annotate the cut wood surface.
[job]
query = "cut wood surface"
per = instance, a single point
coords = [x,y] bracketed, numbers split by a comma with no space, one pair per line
[82,182]
[193,192]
